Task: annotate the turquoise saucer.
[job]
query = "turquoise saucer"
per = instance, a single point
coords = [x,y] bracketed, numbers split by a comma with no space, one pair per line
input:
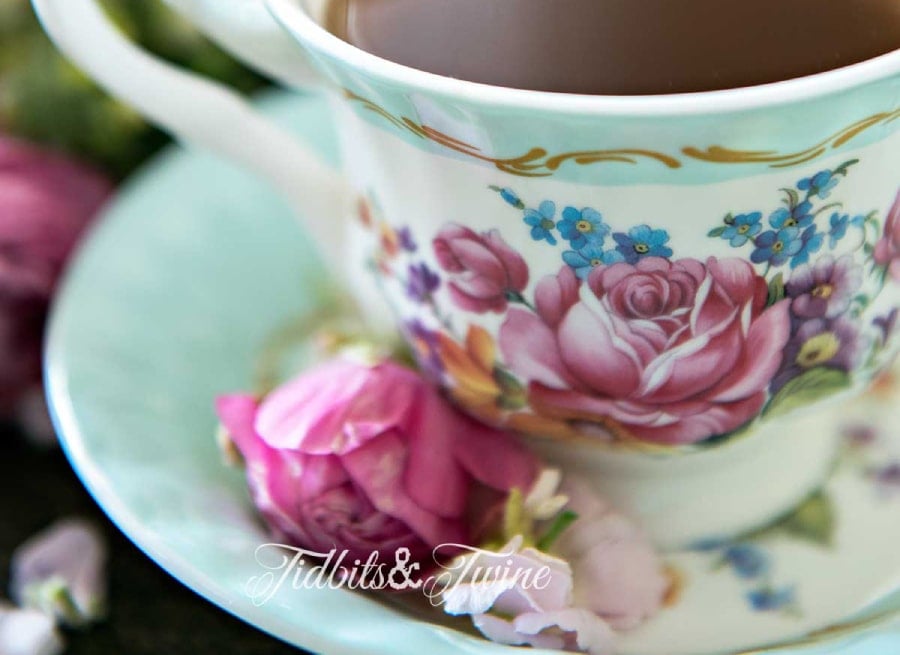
[171,300]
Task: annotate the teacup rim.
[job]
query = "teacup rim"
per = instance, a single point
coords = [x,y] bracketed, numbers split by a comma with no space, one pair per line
[300,25]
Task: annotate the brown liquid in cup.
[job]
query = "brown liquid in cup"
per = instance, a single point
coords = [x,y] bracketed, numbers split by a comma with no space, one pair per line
[620,47]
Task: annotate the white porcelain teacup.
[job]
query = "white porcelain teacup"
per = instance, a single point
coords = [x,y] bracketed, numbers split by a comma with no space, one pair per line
[650,286]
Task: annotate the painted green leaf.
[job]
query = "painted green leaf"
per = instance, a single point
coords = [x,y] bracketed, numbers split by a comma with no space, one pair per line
[793,198]
[813,521]
[776,289]
[717,232]
[813,385]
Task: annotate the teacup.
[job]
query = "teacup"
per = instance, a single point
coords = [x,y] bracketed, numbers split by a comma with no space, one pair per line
[665,293]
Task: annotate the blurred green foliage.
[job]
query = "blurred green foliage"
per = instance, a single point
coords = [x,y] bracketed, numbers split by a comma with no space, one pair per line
[45,99]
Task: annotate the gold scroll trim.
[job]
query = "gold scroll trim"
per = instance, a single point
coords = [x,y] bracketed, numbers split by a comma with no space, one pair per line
[537,162]
[775,159]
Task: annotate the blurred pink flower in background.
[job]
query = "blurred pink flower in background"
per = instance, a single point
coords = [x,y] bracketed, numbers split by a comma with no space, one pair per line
[370,458]
[46,201]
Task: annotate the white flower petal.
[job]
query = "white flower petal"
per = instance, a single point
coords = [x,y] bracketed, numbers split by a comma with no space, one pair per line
[542,502]
[27,632]
[60,571]
[476,598]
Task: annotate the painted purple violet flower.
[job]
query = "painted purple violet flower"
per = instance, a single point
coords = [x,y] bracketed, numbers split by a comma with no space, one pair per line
[421,282]
[824,289]
[835,344]
[887,325]
[406,240]
[426,349]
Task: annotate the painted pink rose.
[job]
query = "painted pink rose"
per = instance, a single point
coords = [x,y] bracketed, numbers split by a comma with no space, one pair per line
[671,352]
[887,250]
[485,272]
[370,459]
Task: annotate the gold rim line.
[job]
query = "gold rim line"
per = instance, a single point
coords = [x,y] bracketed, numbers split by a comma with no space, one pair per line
[538,162]
[723,155]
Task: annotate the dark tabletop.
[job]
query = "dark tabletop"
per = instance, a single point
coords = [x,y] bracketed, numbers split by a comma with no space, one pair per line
[150,612]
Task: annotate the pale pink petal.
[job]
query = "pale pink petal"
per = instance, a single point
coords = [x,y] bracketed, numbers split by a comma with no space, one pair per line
[516,268]
[494,457]
[619,575]
[377,467]
[686,372]
[237,412]
[529,348]
[654,265]
[337,406]
[604,278]
[555,295]
[735,276]
[590,633]
[502,631]
[433,479]
[62,572]
[717,419]
[476,257]
[463,300]
[442,246]
[595,354]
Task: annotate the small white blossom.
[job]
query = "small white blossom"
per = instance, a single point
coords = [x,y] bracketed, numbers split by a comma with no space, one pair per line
[27,632]
[543,503]
[60,571]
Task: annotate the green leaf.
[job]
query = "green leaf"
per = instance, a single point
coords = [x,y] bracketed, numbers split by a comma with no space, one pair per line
[513,394]
[717,232]
[813,385]
[813,521]
[563,521]
[793,198]
[515,519]
[845,167]
[776,290]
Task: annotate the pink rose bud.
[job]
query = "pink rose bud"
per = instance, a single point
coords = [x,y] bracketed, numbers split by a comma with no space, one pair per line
[485,272]
[46,201]
[370,459]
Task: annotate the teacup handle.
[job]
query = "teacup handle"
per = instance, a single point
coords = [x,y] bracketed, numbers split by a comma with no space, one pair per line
[201,112]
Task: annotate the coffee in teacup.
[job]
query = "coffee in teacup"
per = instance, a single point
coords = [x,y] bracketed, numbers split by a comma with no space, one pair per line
[620,47]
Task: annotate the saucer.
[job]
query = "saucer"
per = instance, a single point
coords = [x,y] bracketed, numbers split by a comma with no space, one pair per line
[179,294]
